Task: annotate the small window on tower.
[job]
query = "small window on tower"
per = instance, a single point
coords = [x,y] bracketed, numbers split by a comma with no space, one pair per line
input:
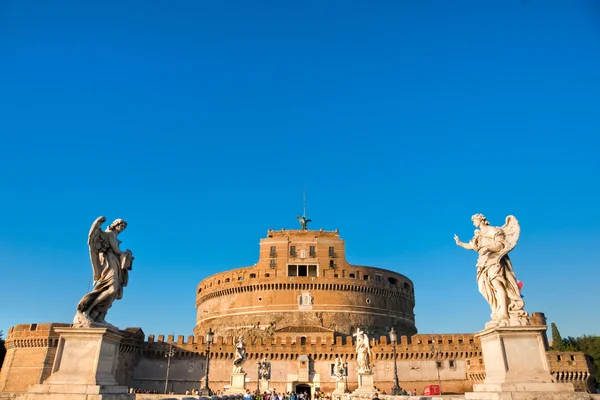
[331,252]
[293,251]
[273,251]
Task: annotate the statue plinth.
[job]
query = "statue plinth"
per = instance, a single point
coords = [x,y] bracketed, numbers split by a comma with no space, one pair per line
[237,383]
[263,385]
[84,367]
[340,389]
[365,384]
[517,368]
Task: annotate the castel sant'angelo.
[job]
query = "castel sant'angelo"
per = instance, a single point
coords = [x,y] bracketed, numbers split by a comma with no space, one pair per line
[297,308]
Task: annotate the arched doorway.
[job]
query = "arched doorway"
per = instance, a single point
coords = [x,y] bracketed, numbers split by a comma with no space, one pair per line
[304,388]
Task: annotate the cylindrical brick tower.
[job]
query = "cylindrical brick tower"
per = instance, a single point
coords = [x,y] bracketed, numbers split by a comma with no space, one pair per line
[303,282]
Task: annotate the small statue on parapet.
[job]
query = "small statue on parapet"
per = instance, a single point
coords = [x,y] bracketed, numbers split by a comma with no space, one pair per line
[264,371]
[364,356]
[303,222]
[240,356]
[495,275]
[110,267]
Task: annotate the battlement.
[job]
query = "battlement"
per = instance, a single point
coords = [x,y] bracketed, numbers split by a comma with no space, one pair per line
[299,232]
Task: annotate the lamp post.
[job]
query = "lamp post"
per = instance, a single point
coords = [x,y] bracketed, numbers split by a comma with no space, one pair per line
[346,377]
[435,353]
[394,338]
[209,338]
[169,354]
[258,367]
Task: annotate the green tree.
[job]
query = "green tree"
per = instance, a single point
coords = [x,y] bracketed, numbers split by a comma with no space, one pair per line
[557,341]
[2,349]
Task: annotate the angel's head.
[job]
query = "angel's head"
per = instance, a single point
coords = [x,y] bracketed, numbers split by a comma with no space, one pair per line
[479,219]
[118,225]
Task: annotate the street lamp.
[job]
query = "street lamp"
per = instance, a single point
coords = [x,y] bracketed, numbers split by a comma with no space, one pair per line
[346,377]
[258,365]
[169,354]
[209,338]
[435,353]
[394,338]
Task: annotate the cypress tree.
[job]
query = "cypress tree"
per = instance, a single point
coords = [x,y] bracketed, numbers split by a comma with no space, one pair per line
[557,342]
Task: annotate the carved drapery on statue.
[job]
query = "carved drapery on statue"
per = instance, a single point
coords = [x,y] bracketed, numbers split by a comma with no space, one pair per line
[240,355]
[110,267]
[364,356]
[496,278]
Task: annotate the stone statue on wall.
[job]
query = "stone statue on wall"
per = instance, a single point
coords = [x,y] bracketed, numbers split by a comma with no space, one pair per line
[110,267]
[363,352]
[264,371]
[495,275]
[240,356]
[338,369]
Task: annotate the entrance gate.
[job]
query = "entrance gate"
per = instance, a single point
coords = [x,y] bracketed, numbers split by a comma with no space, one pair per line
[304,388]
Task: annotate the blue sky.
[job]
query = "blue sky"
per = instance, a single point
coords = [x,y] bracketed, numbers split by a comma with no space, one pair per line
[201,122]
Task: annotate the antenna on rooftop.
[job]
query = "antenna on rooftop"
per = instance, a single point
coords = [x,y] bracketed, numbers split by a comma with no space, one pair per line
[303,220]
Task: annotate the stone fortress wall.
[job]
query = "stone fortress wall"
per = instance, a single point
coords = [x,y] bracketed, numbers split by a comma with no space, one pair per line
[31,349]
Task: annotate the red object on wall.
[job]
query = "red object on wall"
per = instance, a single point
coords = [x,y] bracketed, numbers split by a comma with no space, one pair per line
[432,390]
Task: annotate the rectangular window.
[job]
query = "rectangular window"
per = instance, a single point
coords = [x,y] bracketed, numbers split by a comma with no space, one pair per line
[312,270]
[378,278]
[312,252]
[460,341]
[302,270]
[439,364]
[352,276]
[365,277]
[273,263]
[292,270]
[331,264]
[331,252]
[452,364]
[293,251]
[273,251]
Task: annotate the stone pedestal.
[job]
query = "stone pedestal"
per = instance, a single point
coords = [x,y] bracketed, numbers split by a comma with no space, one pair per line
[84,367]
[263,385]
[365,384]
[237,383]
[340,389]
[517,368]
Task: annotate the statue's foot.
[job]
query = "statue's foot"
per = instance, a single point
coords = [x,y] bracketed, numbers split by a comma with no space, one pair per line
[82,320]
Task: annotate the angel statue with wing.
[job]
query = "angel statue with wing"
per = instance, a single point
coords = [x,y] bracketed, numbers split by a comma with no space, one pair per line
[111,268]
[495,275]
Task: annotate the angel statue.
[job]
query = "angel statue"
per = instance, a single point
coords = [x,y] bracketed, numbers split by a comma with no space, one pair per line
[363,352]
[303,222]
[111,268]
[495,275]
[263,371]
[240,355]
[338,369]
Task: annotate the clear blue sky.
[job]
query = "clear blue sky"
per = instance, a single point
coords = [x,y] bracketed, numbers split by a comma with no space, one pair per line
[201,121]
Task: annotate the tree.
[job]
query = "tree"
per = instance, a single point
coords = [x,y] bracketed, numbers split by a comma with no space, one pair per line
[557,341]
[2,349]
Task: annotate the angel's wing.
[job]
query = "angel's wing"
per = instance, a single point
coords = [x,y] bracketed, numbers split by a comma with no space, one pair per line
[512,231]
[97,243]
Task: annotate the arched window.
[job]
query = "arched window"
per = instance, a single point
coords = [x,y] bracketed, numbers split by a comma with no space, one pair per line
[252,276]
[303,341]
[393,281]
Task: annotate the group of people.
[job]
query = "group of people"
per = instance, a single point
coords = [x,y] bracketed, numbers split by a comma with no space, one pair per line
[273,395]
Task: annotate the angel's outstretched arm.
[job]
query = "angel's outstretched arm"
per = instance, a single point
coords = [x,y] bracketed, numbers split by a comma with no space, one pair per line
[468,246]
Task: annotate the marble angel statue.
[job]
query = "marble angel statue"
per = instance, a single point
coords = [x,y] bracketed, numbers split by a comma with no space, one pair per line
[338,369]
[240,355]
[264,370]
[495,275]
[363,352]
[110,267]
